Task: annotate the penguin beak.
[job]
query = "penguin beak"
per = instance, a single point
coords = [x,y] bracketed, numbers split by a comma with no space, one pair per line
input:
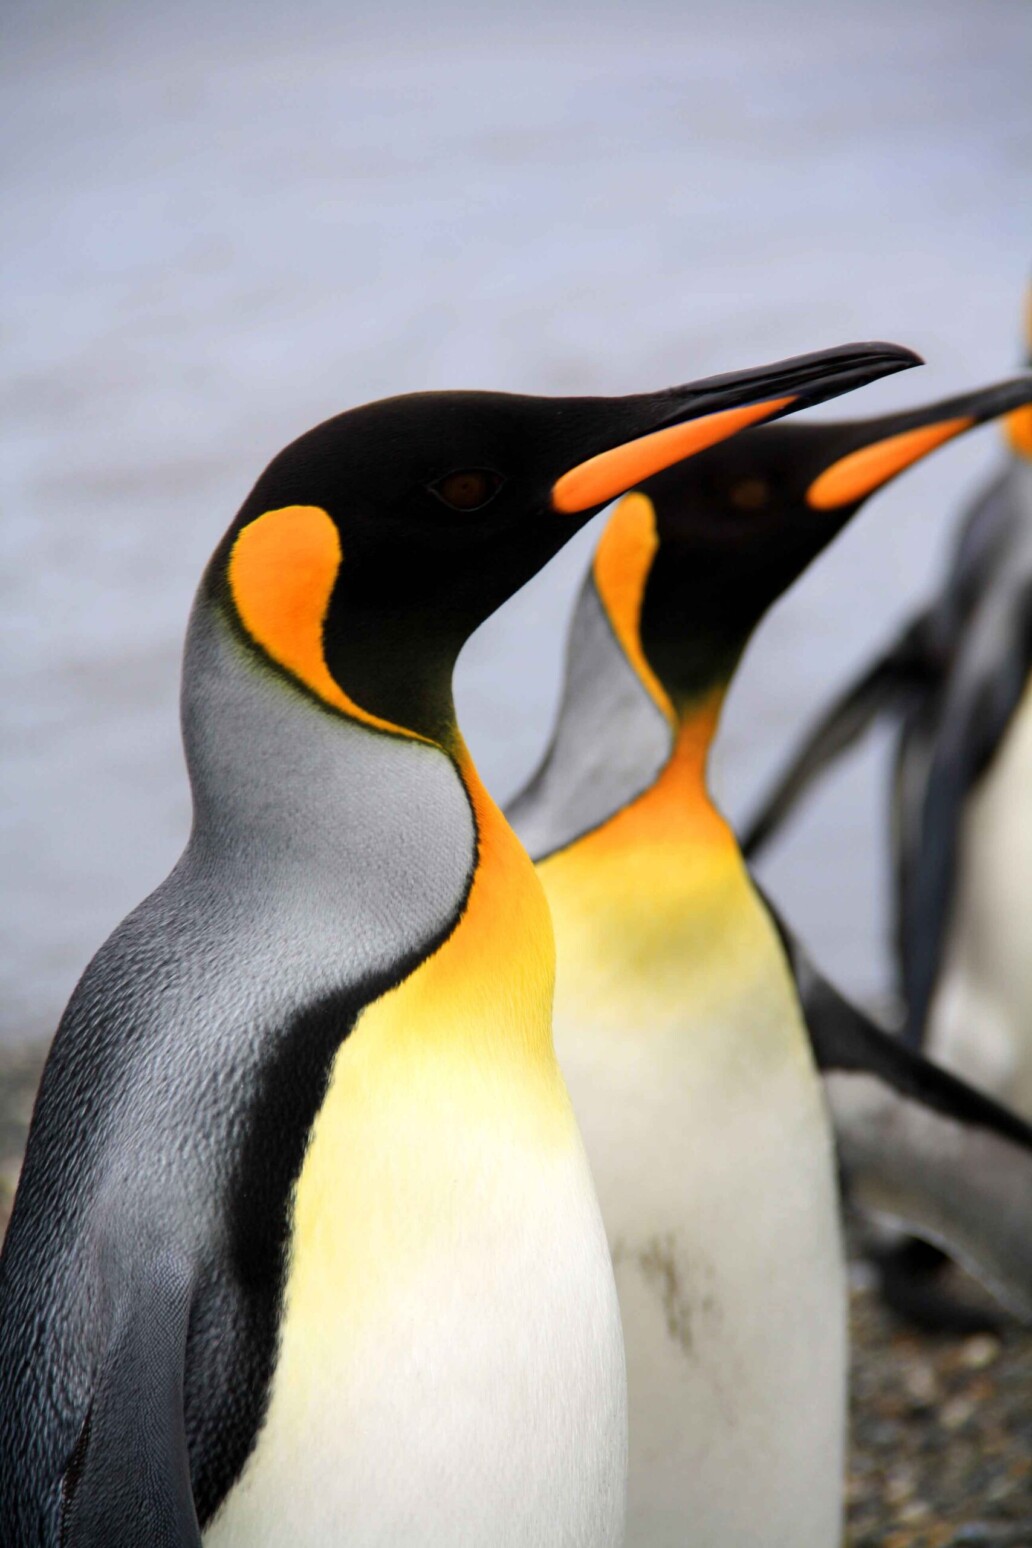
[890,445]
[675,424]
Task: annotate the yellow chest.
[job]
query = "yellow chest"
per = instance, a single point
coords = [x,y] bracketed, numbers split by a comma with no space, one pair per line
[442,1082]
[657,922]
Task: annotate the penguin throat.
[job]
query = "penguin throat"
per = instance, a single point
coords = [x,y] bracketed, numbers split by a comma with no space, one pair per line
[679,799]
[403,676]
[665,854]
[676,812]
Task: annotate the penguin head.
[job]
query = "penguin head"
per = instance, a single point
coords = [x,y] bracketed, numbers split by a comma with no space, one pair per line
[373,546]
[700,551]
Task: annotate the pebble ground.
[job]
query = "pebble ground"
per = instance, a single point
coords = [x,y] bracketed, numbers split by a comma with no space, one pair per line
[941,1433]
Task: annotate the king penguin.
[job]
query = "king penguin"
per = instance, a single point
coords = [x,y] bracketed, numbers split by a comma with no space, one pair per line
[955,681]
[305,1248]
[678,1021]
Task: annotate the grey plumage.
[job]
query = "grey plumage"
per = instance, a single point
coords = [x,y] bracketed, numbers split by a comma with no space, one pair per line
[295,901]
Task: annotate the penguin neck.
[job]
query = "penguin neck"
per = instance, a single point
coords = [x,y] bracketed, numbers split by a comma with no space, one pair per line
[405,684]
[622,732]
[281,767]
[678,803]
[658,875]
[298,799]
[673,828]
[672,797]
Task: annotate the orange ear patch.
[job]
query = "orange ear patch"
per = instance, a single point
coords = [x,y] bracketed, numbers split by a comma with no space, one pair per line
[282,571]
[1019,430]
[857,475]
[602,478]
[623,560]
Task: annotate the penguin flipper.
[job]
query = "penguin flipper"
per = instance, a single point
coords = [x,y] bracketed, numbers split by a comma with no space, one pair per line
[983,694]
[874,692]
[128,1482]
[919,1146]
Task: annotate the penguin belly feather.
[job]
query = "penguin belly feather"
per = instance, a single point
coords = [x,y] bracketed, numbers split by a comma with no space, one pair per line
[680,1035]
[981,1020]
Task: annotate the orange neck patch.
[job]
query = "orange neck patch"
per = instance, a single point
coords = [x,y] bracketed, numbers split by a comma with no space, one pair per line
[675,816]
[678,805]
[854,477]
[282,570]
[623,560]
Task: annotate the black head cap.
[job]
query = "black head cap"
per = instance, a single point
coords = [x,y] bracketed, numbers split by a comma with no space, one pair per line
[739,523]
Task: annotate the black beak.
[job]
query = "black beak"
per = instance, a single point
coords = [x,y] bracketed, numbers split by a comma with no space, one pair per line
[864,454]
[653,431]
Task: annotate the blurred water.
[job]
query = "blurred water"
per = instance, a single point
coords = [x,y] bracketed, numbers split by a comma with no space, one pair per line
[225,221]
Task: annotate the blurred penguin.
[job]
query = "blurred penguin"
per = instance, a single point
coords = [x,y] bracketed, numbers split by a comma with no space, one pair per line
[956,683]
[679,1025]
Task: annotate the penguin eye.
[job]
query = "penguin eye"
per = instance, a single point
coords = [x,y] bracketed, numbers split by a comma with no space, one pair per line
[468,489]
[750,494]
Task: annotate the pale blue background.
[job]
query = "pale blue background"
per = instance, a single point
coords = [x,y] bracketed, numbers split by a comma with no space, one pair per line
[224,221]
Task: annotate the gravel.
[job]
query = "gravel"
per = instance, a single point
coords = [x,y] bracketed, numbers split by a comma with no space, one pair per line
[941,1449]
[941,1453]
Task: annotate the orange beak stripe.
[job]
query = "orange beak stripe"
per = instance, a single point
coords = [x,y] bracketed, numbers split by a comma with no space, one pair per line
[854,477]
[600,479]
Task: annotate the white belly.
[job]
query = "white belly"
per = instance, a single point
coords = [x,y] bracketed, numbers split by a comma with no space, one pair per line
[712,1158]
[981,1021]
[479,1402]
